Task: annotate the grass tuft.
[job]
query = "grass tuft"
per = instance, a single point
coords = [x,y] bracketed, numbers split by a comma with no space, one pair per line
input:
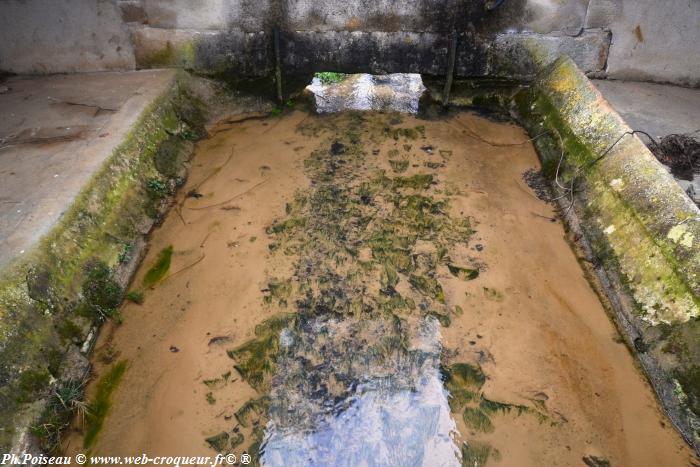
[136,296]
[330,77]
[465,274]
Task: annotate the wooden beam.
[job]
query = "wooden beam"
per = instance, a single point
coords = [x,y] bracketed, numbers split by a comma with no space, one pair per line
[450,68]
[278,64]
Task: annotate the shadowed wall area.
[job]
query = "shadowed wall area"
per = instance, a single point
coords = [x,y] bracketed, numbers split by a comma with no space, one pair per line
[235,36]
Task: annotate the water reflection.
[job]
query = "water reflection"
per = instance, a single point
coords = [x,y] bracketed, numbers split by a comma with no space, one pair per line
[398,92]
[360,393]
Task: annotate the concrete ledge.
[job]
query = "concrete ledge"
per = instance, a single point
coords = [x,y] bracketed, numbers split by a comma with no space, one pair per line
[45,314]
[642,228]
[55,133]
[233,53]
[520,55]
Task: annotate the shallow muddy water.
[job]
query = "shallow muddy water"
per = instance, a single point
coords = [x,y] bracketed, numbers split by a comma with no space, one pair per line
[373,289]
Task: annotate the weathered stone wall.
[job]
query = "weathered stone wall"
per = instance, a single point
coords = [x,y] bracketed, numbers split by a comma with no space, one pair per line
[43,292]
[63,36]
[363,36]
[360,15]
[652,40]
[233,36]
[647,40]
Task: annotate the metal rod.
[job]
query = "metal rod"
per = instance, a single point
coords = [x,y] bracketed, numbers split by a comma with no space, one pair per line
[450,69]
[278,64]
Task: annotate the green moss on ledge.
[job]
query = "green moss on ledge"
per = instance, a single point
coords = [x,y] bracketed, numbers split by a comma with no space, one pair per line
[662,274]
[640,225]
[50,285]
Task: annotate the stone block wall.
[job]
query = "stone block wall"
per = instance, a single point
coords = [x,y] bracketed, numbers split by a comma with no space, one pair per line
[63,36]
[622,39]
[233,37]
[652,40]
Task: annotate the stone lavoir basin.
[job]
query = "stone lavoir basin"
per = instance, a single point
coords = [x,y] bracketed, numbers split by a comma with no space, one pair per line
[370,288]
[358,233]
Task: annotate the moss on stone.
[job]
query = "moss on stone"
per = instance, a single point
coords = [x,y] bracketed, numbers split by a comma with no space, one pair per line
[101,292]
[110,211]
[69,331]
[169,157]
[638,221]
[662,282]
[180,55]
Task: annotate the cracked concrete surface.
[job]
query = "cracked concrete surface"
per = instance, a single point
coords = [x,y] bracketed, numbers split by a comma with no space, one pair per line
[55,133]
